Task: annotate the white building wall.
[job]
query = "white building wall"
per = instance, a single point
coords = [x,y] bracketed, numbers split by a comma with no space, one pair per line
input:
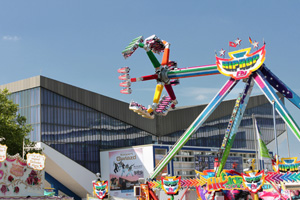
[69,173]
[148,160]
[104,165]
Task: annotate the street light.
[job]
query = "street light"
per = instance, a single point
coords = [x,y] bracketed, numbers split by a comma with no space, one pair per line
[98,175]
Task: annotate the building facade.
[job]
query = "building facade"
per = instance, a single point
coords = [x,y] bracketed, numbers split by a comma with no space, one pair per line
[79,123]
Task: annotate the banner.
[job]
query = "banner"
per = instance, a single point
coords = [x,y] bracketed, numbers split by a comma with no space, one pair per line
[126,167]
[263,150]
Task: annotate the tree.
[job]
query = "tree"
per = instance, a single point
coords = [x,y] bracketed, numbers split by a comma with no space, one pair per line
[13,126]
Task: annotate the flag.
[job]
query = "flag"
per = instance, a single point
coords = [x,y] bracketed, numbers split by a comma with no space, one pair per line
[262,148]
[232,44]
[250,40]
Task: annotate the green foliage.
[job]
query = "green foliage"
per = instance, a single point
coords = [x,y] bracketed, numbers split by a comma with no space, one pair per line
[13,126]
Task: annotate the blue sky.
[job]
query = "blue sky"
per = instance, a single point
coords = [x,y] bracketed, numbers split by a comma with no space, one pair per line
[80,42]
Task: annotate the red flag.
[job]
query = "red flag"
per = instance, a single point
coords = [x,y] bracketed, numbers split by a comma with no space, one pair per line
[232,44]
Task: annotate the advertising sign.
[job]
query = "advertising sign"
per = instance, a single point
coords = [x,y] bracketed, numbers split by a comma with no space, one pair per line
[3,149]
[126,167]
[241,63]
[36,161]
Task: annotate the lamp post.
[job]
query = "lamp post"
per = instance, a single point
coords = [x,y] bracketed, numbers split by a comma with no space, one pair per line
[274,123]
[255,141]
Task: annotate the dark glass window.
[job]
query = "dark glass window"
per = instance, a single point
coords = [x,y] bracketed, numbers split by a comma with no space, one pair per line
[29,107]
[211,133]
[80,132]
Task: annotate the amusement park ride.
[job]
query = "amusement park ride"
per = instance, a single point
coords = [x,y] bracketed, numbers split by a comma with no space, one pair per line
[241,65]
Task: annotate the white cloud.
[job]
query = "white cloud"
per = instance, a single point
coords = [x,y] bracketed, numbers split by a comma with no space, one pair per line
[197,94]
[201,97]
[10,38]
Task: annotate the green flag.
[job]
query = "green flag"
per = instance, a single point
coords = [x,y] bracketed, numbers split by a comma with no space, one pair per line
[263,150]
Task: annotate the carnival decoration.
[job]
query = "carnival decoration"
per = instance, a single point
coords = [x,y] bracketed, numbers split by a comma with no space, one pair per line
[49,192]
[274,195]
[222,52]
[100,188]
[228,180]
[154,184]
[277,177]
[145,192]
[254,181]
[232,128]
[17,179]
[171,184]
[36,161]
[238,42]
[289,165]
[185,183]
[3,149]
[275,162]
[241,65]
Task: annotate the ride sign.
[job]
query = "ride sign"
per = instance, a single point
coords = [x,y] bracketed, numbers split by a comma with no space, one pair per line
[3,149]
[36,161]
[289,164]
[241,63]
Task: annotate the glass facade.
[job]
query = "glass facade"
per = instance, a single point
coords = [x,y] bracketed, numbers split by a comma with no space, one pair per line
[211,133]
[80,132]
[30,107]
